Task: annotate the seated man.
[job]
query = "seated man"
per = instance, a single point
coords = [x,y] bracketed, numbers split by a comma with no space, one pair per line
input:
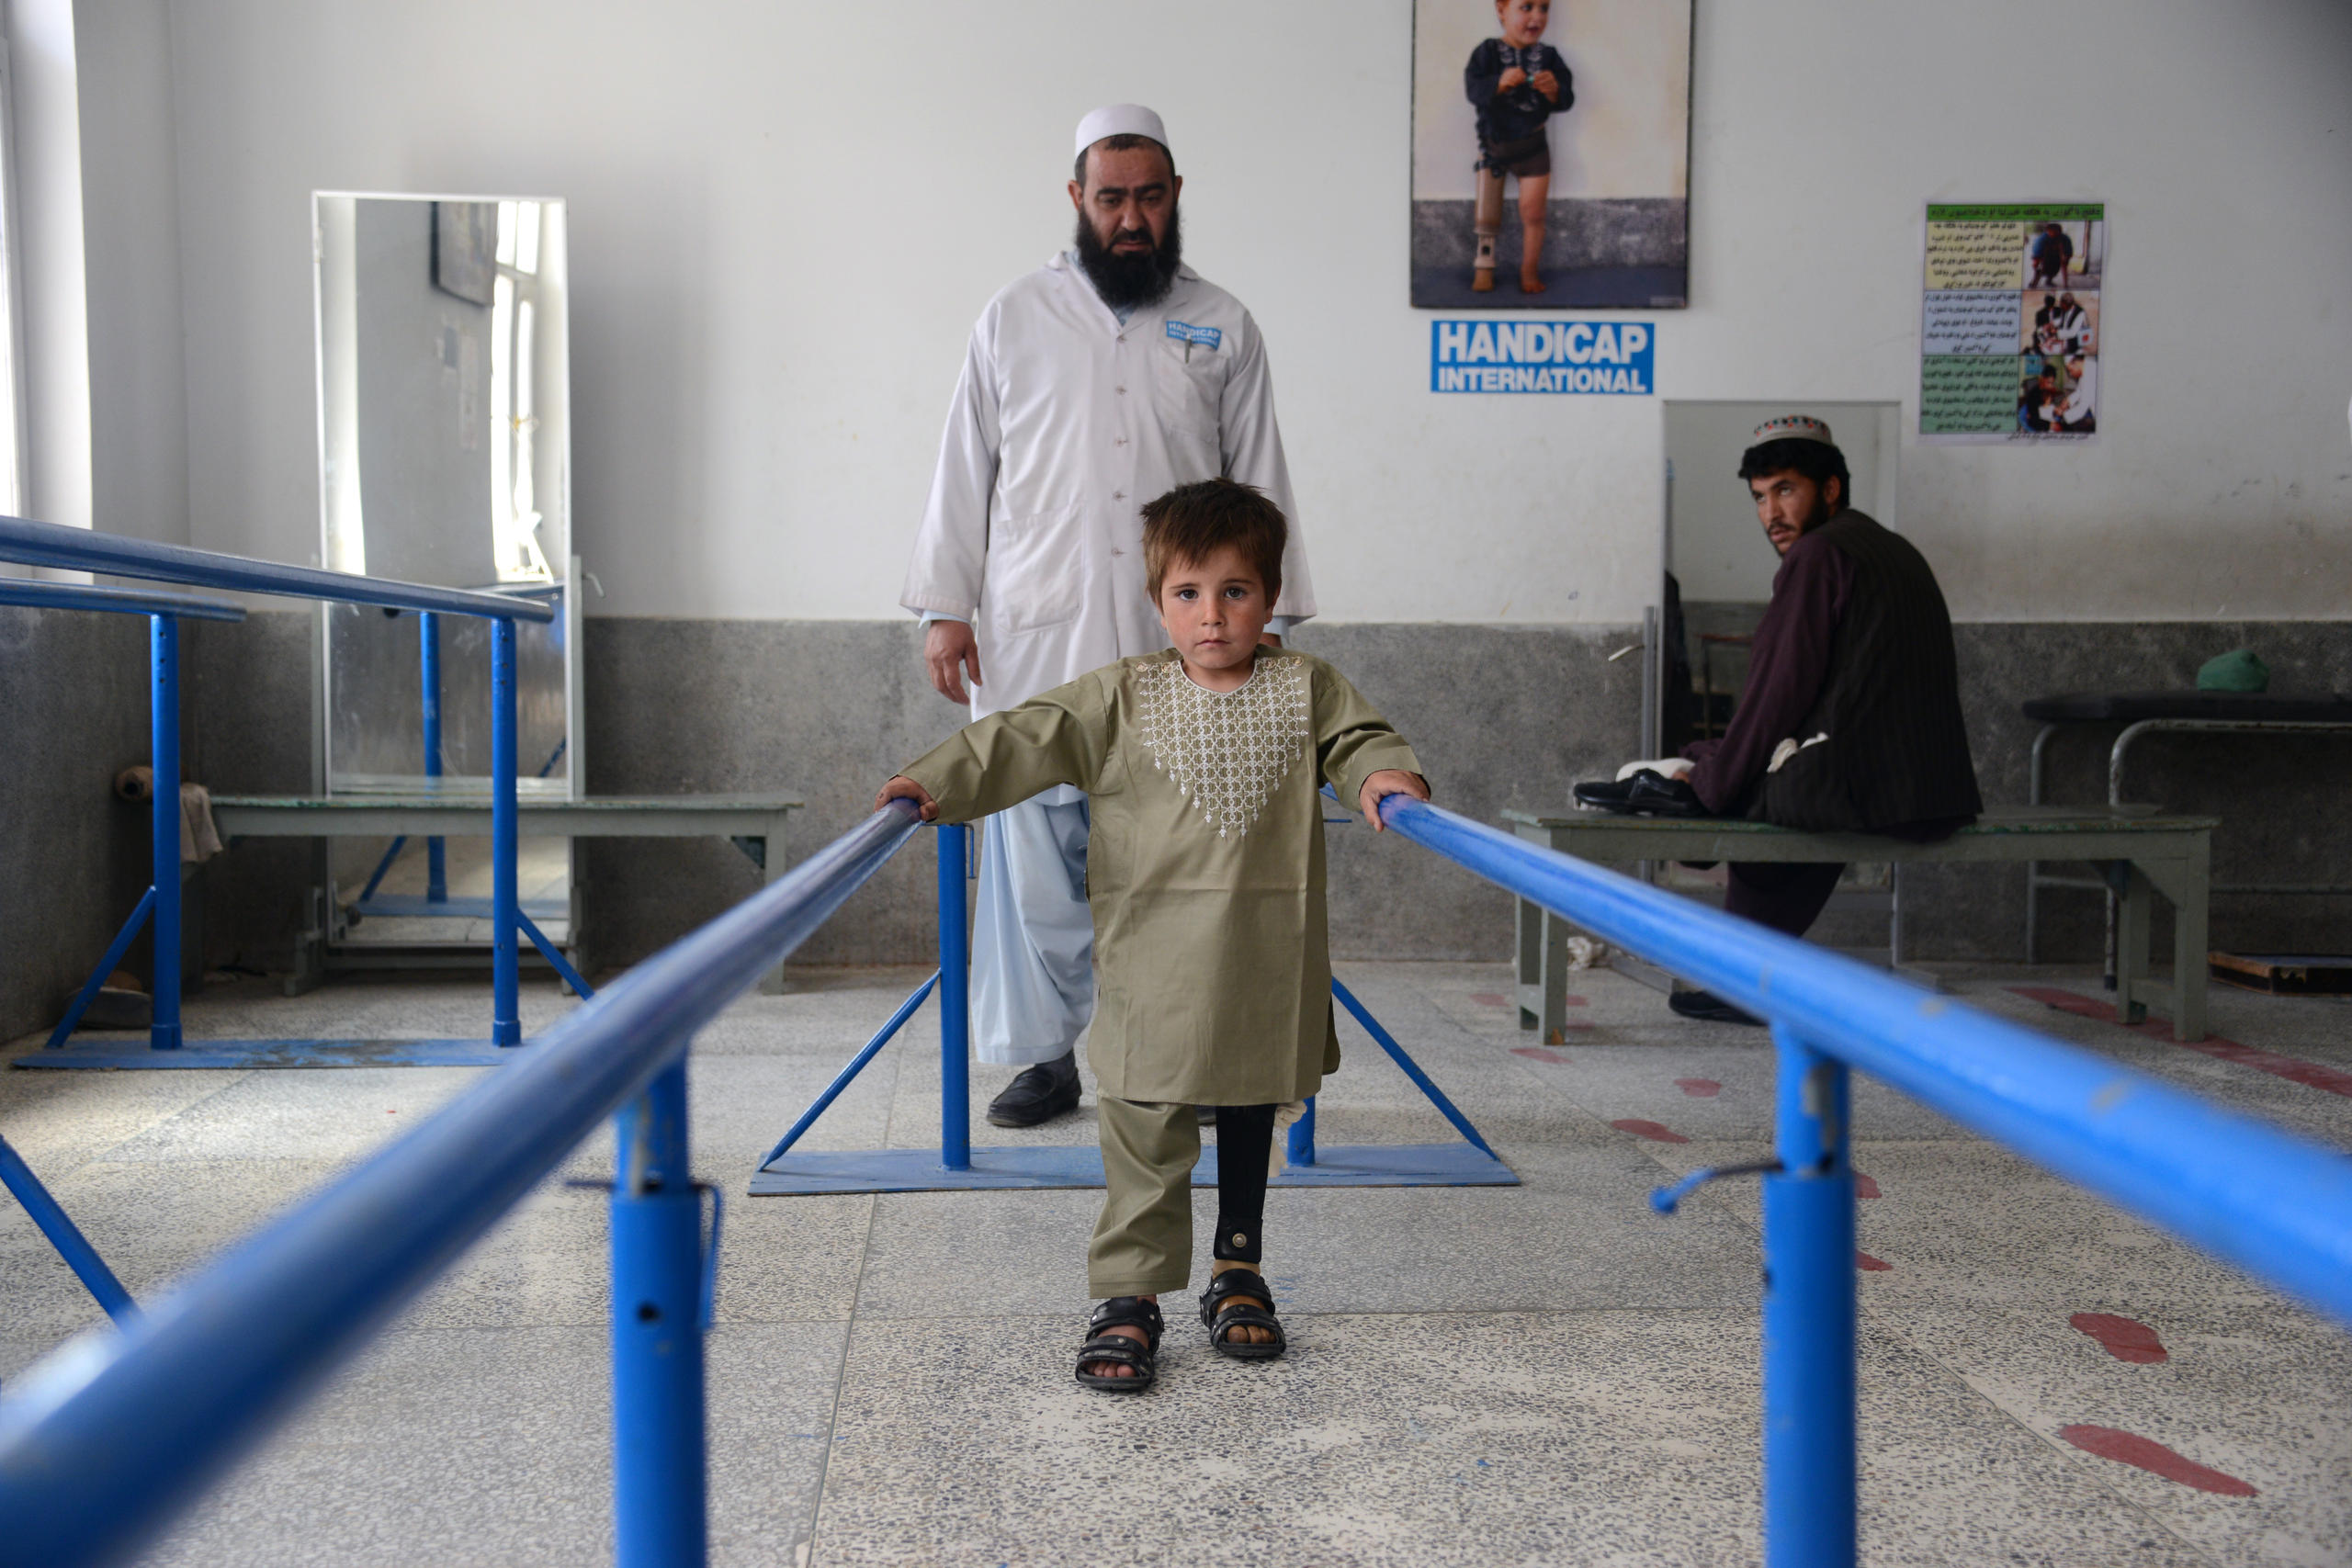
[1851,718]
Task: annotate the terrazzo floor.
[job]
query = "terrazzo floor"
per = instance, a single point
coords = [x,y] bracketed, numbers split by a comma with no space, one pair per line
[1550,1374]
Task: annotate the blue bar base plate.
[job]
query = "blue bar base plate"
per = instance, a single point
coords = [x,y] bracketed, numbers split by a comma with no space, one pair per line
[1066,1165]
[134,1055]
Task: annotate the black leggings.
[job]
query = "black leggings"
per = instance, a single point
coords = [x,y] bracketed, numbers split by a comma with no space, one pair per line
[1245,1141]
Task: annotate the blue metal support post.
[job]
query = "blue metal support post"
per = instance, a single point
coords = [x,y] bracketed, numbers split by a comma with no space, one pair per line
[1302,1136]
[659,1460]
[505,907]
[66,1236]
[1809,1313]
[429,664]
[842,1079]
[955,1001]
[107,966]
[165,651]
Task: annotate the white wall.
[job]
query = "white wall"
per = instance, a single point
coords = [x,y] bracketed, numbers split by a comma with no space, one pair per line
[129,185]
[785,217]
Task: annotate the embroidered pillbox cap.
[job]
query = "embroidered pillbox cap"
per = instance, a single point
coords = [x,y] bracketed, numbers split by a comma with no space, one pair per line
[1793,427]
[1120,119]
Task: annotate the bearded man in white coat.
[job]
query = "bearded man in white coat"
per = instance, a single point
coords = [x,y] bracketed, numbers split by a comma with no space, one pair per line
[1104,379]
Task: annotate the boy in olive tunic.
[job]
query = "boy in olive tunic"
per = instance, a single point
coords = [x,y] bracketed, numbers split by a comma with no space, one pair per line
[1205,870]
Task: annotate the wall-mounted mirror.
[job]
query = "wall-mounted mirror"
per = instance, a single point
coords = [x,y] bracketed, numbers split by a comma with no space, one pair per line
[444,458]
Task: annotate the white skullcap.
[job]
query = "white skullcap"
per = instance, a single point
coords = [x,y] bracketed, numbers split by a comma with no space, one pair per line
[1120,119]
[1793,427]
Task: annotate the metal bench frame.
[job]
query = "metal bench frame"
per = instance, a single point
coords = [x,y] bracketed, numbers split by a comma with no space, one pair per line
[2035,880]
[2138,853]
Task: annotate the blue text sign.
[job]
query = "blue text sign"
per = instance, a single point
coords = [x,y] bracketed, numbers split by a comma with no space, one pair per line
[1541,356]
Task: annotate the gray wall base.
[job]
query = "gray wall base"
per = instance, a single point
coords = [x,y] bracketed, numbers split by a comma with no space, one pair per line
[1502,717]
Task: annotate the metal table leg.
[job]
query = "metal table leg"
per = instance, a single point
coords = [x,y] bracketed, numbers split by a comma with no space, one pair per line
[2131,944]
[1530,918]
[2191,942]
[772,868]
[2033,867]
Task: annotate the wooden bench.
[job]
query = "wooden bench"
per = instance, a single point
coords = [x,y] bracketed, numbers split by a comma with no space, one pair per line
[461,809]
[2137,852]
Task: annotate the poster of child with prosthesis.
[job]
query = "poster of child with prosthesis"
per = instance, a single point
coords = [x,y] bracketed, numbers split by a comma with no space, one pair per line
[1551,153]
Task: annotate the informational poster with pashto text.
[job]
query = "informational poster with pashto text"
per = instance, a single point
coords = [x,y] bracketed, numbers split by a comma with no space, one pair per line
[2010,325]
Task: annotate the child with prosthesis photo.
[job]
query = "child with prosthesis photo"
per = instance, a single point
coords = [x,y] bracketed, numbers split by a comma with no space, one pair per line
[1205,870]
[1517,83]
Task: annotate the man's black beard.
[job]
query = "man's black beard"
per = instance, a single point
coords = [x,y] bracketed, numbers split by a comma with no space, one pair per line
[1125,280]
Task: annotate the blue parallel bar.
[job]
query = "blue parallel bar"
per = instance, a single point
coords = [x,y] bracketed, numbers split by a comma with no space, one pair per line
[107,966]
[1412,1068]
[103,1442]
[164,635]
[1809,1311]
[79,550]
[506,845]
[2277,1206]
[66,1236]
[38,594]
[659,1454]
[955,1001]
[428,665]
[841,1080]
[2271,1203]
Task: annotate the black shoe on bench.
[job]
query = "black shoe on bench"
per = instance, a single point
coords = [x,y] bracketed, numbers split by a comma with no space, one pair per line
[1038,1094]
[1647,794]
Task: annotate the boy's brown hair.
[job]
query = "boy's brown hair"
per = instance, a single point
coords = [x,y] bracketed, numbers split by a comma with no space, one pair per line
[1192,522]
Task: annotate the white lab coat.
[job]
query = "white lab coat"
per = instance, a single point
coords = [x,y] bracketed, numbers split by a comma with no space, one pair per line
[2082,399]
[1064,424]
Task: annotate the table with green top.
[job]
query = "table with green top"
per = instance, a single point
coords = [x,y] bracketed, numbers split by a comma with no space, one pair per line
[459,808]
[2136,851]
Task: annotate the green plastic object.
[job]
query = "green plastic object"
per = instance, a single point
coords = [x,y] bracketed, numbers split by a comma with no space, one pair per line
[2236,671]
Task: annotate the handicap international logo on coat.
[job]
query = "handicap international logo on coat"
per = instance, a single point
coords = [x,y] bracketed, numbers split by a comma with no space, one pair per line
[1541,356]
[1185,333]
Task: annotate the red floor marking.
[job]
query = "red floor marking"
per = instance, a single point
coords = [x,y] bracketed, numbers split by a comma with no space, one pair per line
[2126,1339]
[1864,1187]
[1649,1130]
[1539,1054]
[2311,1075]
[1699,1088]
[1865,1262]
[2146,1453]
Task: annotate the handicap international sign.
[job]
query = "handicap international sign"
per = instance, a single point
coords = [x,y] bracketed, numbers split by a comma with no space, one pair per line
[1540,357]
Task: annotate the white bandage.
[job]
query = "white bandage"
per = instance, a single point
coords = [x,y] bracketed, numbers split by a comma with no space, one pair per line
[1790,748]
[1278,1152]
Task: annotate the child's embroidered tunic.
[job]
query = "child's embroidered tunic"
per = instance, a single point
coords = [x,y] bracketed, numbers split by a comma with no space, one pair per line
[1203,863]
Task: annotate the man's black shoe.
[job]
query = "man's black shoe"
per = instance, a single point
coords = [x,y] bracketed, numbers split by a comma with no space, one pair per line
[1038,1094]
[1647,794]
[1709,1007]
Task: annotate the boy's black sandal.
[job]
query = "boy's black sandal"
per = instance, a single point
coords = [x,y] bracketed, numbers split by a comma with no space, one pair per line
[1139,1356]
[1222,1316]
